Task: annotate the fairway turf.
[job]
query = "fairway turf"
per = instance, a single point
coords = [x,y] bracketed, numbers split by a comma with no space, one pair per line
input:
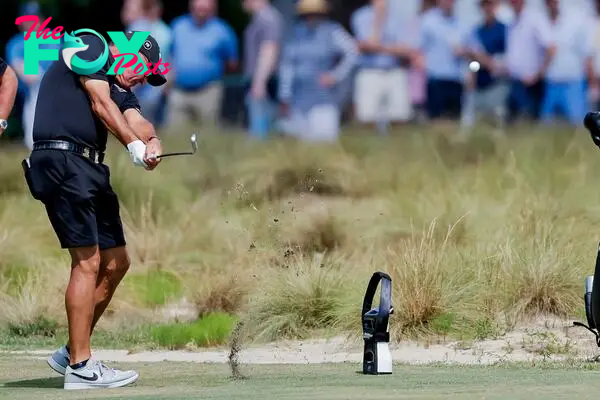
[27,378]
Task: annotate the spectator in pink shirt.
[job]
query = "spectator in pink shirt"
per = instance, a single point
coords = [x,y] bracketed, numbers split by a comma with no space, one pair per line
[417,79]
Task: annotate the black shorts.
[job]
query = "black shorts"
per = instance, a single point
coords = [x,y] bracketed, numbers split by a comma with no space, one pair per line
[80,202]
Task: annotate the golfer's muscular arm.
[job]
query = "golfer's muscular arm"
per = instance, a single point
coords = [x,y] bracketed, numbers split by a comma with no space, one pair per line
[143,128]
[107,110]
[8,91]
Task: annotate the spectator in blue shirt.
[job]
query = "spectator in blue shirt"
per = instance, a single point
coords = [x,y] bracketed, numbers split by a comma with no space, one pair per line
[203,48]
[318,55]
[490,86]
[443,45]
[28,84]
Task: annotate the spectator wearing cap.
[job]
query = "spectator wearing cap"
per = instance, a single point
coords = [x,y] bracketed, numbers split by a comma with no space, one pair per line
[28,84]
[381,92]
[443,43]
[204,47]
[262,45]
[318,55]
[490,87]
[152,99]
[572,64]
[529,52]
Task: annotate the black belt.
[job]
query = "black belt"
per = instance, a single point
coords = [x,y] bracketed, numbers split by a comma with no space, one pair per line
[89,153]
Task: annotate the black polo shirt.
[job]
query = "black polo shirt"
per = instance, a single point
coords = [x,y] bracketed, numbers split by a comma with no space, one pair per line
[2,66]
[64,110]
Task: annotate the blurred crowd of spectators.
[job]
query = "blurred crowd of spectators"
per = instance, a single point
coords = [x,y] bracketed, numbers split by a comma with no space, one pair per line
[300,77]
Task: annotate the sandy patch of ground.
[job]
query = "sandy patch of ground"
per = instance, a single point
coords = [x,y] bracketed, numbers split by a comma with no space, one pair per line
[546,339]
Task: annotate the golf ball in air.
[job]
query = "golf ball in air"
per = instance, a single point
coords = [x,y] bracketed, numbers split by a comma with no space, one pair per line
[474,66]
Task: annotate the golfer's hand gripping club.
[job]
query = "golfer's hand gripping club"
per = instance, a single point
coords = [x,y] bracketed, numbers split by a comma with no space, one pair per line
[137,151]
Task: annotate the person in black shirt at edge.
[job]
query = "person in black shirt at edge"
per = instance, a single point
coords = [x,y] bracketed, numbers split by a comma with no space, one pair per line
[8,93]
[65,171]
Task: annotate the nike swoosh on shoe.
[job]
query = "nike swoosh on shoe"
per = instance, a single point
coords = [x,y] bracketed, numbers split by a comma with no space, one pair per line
[87,378]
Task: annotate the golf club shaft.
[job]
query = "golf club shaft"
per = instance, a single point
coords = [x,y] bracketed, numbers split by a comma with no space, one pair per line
[189,153]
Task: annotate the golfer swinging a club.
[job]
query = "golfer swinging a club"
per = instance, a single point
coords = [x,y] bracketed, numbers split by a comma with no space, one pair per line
[65,171]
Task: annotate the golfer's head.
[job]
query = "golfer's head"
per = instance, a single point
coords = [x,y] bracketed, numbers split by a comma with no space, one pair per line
[129,78]
[150,55]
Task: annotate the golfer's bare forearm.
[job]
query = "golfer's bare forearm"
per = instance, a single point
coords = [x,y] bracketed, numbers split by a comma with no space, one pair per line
[144,130]
[111,116]
[8,90]
[108,111]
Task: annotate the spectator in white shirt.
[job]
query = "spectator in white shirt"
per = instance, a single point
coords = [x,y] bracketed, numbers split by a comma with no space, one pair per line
[566,76]
[381,91]
[529,52]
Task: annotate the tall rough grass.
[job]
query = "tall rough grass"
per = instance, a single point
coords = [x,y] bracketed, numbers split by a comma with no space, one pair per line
[477,236]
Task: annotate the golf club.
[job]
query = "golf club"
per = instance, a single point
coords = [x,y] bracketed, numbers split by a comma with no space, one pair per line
[185,153]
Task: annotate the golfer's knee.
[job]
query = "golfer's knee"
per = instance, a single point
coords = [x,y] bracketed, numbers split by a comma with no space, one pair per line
[117,267]
[89,264]
[122,264]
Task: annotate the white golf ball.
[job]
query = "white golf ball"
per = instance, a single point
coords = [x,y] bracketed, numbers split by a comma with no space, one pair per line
[474,66]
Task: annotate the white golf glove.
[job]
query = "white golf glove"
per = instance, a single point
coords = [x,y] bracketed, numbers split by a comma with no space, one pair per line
[137,150]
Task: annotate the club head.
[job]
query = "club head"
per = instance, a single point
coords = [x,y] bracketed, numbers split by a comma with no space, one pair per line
[194,143]
[185,153]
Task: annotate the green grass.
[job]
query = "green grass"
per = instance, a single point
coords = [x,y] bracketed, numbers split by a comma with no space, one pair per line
[155,287]
[211,330]
[23,378]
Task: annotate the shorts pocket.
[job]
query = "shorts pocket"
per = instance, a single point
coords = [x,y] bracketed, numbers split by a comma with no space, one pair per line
[45,173]
[35,188]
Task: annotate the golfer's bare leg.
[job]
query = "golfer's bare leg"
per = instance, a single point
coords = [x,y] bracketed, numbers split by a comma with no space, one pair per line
[80,300]
[114,264]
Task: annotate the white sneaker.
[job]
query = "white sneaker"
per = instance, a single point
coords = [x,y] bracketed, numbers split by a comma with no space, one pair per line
[96,375]
[59,361]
